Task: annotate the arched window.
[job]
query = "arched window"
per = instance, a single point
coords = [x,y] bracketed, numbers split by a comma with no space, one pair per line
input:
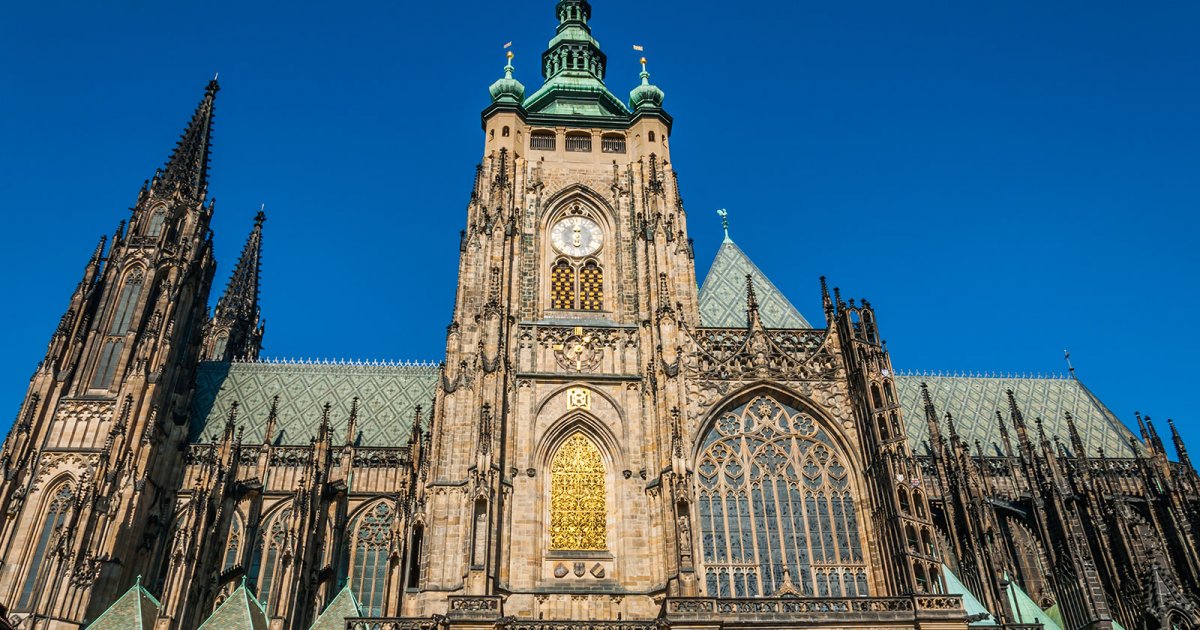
[233,549]
[157,219]
[369,566]
[414,557]
[775,505]
[650,136]
[123,317]
[591,287]
[106,368]
[542,140]
[905,506]
[265,563]
[578,497]
[506,132]
[562,285]
[56,514]
[919,502]
[219,346]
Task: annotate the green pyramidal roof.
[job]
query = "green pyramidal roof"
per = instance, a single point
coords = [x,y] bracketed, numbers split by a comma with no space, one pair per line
[974,607]
[344,606]
[723,295]
[241,611]
[137,609]
[1026,611]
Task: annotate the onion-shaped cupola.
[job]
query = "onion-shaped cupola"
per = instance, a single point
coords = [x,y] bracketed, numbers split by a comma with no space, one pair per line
[646,95]
[508,89]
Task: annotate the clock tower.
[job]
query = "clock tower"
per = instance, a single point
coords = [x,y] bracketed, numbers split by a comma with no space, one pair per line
[552,476]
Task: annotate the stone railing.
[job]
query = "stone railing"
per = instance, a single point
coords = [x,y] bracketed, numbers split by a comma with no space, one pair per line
[376,623]
[578,625]
[815,609]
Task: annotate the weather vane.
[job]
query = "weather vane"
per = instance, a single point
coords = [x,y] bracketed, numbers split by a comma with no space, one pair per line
[724,214]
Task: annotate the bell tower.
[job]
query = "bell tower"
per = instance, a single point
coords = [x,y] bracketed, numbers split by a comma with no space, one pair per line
[552,471]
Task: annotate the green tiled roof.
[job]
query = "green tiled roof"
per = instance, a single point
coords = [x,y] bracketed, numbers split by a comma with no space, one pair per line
[137,609]
[1026,611]
[343,607]
[723,294]
[973,401]
[388,396]
[954,586]
[240,612]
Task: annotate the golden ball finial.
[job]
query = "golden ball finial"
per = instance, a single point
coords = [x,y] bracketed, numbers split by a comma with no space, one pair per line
[643,60]
[510,54]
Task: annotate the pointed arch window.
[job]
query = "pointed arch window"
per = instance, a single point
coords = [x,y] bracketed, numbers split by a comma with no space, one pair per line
[562,285]
[106,368]
[265,563]
[56,515]
[369,565]
[577,286]
[123,317]
[775,506]
[157,219]
[591,287]
[578,497]
[233,549]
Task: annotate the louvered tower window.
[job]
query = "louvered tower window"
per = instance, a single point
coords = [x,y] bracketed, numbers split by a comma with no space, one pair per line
[591,287]
[562,285]
[56,515]
[577,287]
[776,508]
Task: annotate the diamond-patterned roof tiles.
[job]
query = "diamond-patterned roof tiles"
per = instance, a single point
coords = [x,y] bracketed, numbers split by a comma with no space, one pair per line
[241,611]
[388,396]
[137,609]
[973,401]
[344,606]
[723,295]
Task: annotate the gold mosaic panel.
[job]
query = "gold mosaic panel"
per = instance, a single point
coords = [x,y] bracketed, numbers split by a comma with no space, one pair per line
[578,498]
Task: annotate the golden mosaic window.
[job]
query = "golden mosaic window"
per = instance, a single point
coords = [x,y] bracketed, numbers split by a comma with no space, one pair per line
[578,497]
[591,287]
[776,507]
[562,285]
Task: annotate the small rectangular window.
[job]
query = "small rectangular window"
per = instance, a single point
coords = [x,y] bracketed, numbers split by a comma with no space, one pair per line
[579,143]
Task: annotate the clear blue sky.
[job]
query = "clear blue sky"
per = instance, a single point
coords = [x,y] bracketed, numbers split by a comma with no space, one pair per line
[1001,179]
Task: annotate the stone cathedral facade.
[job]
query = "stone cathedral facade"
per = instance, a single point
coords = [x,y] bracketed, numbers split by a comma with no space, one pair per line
[608,444]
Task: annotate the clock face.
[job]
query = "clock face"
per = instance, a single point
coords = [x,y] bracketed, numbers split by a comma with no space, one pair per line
[576,236]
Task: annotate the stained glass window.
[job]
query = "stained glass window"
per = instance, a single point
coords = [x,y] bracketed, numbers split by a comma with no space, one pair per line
[123,318]
[591,287]
[154,228]
[578,497]
[55,515]
[264,564]
[369,567]
[106,369]
[233,550]
[562,285]
[775,506]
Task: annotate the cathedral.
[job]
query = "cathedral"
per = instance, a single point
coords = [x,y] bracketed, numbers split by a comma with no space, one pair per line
[607,444]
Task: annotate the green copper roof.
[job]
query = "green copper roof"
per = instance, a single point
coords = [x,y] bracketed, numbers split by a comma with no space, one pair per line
[137,609]
[388,396]
[974,607]
[973,401]
[241,611]
[574,67]
[1026,611]
[723,295]
[343,607]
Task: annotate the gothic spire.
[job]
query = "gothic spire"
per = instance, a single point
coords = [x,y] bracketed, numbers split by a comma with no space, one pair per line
[187,167]
[1180,448]
[235,331]
[241,294]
